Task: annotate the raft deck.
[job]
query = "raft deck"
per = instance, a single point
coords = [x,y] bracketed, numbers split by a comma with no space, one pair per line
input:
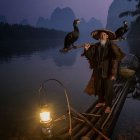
[94,124]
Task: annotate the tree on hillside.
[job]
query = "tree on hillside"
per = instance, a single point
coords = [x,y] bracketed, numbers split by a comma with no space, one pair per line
[136,12]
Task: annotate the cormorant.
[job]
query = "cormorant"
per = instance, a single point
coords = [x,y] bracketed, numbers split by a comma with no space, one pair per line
[71,37]
[121,31]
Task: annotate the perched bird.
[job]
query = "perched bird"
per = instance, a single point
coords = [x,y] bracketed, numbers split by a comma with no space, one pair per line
[121,31]
[71,37]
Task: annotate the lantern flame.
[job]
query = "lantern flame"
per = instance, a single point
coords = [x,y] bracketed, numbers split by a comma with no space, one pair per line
[45,116]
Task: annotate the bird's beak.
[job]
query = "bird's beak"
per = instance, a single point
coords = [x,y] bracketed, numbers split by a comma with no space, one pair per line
[78,21]
[126,23]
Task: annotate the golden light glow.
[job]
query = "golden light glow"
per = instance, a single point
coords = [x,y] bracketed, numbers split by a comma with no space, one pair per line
[45,116]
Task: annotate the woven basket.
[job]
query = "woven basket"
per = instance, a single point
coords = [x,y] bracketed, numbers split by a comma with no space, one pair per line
[126,72]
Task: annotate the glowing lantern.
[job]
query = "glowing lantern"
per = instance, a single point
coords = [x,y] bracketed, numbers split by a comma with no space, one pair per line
[45,115]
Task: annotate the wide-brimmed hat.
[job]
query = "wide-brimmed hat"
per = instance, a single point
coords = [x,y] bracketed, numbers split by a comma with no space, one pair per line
[96,34]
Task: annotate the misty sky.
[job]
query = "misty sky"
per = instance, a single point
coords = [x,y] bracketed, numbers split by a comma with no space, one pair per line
[16,10]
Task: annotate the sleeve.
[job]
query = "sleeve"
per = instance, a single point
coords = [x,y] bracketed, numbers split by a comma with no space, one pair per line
[114,67]
[117,52]
[118,55]
[90,52]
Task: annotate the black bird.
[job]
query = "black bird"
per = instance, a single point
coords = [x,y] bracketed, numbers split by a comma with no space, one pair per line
[121,31]
[71,37]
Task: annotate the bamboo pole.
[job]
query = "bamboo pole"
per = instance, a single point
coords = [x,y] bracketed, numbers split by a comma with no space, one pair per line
[87,128]
[90,124]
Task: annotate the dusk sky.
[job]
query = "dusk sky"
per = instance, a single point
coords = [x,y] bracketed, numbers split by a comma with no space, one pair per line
[16,10]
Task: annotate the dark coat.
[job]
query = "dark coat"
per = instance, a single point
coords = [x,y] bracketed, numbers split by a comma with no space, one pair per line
[103,61]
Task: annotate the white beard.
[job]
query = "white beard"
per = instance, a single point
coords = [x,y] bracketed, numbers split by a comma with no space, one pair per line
[103,42]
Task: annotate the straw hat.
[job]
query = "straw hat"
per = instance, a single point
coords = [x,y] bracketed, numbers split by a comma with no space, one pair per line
[96,34]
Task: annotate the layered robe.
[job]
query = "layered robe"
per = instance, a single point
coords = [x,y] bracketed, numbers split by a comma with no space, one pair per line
[104,62]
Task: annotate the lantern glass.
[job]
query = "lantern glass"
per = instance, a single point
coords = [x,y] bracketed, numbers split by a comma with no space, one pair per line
[45,116]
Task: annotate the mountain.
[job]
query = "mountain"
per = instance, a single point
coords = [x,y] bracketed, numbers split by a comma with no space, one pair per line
[24,22]
[90,25]
[62,19]
[42,22]
[117,7]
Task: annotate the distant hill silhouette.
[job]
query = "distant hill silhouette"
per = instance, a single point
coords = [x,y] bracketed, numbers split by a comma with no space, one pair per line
[42,22]
[3,19]
[117,7]
[62,19]
[91,25]
[22,32]
[129,10]
[24,22]
[135,25]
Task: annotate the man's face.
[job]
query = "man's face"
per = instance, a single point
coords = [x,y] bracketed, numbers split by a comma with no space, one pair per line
[103,36]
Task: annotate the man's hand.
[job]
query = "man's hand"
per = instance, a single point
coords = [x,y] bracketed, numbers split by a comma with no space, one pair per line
[112,77]
[86,46]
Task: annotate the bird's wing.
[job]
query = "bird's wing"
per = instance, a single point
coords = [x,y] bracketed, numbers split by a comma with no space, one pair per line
[69,36]
[119,29]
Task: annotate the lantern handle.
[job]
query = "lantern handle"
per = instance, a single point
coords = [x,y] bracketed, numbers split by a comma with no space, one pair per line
[67,99]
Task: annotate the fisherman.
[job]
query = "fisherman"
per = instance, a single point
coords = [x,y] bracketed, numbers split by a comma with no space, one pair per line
[103,57]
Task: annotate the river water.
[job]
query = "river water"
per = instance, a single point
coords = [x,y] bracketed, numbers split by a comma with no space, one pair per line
[25,65]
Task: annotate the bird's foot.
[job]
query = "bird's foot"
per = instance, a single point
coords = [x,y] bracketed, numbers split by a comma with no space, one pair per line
[83,54]
[119,39]
[123,38]
[74,47]
[64,50]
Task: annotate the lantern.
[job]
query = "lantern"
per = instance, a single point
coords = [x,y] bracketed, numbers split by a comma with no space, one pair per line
[46,121]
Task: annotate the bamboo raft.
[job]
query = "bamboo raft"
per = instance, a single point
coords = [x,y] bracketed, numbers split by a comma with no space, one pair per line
[94,124]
